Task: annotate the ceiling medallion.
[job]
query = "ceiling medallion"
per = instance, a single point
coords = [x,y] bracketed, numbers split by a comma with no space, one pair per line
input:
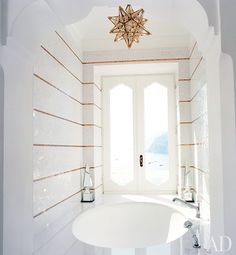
[129,25]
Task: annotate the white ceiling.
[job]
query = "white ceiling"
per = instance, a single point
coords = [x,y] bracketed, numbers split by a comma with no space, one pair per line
[92,32]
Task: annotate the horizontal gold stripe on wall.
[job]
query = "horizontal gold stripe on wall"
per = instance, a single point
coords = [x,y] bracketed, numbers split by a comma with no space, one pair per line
[193,97]
[57,174]
[92,83]
[124,61]
[66,145]
[65,199]
[60,63]
[132,60]
[190,144]
[91,125]
[55,87]
[196,68]
[92,104]
[63,92]
[140,60]
[65,119]
[192,51]
[69,47]
[58,203]
[94,167]
[194,71]
[185,101]
[196,168]
[196,119]
[119,61]
[200,170]
[198,91]
[64,172]
[185,122]
[57,117]
[67,69]
[199,117]
[184,79]
[187,144]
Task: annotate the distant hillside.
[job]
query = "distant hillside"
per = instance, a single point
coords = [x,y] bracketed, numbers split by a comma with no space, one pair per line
[160,145]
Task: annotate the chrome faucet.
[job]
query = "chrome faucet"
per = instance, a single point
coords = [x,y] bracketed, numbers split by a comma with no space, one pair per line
[196,207]
[188,224]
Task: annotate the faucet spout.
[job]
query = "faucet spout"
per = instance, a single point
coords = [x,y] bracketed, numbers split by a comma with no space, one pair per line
[196,207]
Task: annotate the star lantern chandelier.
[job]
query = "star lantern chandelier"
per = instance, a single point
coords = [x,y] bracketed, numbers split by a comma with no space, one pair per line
[129,25]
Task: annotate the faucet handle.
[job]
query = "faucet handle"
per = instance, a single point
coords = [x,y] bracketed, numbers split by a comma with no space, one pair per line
[199,204]
[198,209]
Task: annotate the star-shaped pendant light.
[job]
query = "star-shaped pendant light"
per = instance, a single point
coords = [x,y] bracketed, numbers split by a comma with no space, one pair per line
[129,25]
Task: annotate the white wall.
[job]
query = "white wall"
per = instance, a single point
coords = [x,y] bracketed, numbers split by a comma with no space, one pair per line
[1,154]
[228,39]
[67,135]
[17,151]
[57,137]
[215,136]
[93,134]
[228,108]
[193,131]
[3,28]
[229,144]
[199,118]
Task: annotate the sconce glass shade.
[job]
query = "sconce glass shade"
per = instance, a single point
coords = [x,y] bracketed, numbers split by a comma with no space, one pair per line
[87,181]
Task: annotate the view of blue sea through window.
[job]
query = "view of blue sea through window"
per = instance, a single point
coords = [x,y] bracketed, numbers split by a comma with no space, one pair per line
[156,133]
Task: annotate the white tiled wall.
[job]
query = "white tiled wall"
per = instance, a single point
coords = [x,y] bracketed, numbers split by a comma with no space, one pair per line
[51,130]
[200,134]
[93,135]
[193,135]
[48,99]
[92,114]
[60,112]
[51,160]
[50,191]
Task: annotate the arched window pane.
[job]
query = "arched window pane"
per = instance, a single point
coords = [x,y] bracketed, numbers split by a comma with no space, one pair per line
[156,133]
[121,131]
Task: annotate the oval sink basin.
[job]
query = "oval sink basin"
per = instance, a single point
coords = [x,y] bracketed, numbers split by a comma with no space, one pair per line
[129,225]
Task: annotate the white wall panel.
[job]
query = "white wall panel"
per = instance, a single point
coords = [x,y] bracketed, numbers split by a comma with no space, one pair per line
[60,50]
[92,136]
[50,100]
[92,114]
[52,160]
[93,156]
[53,221]
[97,176]
[50,130]
[183,91]
[185,135]
[53,72]
[50,191]
[56,96]
[184,69]
[184,112]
